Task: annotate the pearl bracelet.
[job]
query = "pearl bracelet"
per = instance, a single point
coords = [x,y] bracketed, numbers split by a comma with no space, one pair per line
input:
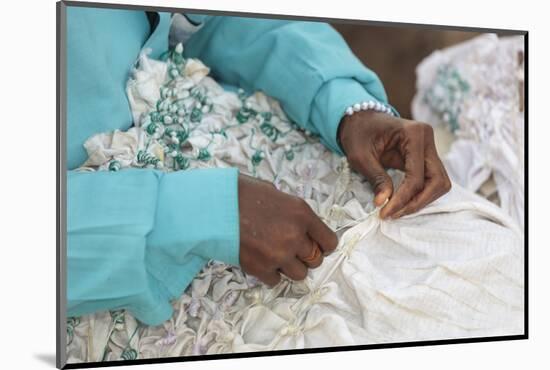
[368,105]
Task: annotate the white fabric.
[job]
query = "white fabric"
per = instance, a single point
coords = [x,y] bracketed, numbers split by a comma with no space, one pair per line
[490,118]
[453,270]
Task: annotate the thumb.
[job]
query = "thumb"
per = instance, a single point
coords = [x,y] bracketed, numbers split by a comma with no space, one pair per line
[369,166]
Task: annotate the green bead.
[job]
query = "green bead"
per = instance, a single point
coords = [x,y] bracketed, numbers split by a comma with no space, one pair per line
[204,155]
[178,59]
[155,116]
[196,115]
[257,157]
[174,72]
[152,128]
[129,354]
[114,166]
[146,158]
[242,116]
[182,162]
[241,94]
[267,115]
[183,135]
[167,120]
[289,155]
[270,131]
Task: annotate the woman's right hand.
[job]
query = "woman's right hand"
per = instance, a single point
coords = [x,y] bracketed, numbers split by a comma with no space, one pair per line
[278,232]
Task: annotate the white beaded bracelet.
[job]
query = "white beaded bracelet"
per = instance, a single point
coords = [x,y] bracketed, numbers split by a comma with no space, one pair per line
[368,105]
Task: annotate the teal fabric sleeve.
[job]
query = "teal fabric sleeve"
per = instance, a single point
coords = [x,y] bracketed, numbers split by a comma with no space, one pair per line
[307,66]
[136,238]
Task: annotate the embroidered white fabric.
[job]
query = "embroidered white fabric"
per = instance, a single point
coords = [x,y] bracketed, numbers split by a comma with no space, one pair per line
[477,87]
[453,270]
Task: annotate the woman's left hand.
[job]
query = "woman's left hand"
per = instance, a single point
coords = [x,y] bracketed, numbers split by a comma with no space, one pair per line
[373,141]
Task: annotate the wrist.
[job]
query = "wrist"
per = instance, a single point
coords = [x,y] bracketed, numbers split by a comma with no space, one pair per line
[362,112]
[349,125]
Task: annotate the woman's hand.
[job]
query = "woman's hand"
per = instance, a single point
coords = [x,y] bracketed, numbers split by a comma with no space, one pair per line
[373,141]
[278,232]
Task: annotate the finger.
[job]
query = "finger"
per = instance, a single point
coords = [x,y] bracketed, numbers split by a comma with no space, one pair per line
[430,193]
[412,149]
[369,165]
[392,159]
[436,185]
[270,278]
[319,232]
[314,257]
[257,266]
[295,269]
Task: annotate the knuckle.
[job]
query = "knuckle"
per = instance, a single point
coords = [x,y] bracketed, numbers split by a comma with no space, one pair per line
[416,184]
[273,280]
[302,207]
[292,235]
[301,275]
[428,129]
[379,180]
[447,185]
[413,209]
[413,127]
[444,183]
[334,243]
[274,255]
[353,157]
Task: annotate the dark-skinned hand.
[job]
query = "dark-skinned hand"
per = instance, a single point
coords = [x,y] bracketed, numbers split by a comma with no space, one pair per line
[373,141]
[278,231]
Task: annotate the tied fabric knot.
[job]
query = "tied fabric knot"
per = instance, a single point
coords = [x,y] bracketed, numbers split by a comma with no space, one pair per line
[229,300]
[194,307]
[255,296]
[291,330]
[317,294]
[336,214]
[169,339]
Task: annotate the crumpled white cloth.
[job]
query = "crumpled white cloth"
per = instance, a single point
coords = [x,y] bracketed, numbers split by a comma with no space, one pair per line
[487,116]
[452,270]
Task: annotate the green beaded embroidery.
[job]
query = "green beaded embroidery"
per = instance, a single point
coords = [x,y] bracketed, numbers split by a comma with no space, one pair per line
[445,96]
[204,155]
[147,159]
[289,155]
[178,113]
[72,322]
[181,162]
[129,354]
[257,157]
[114,166]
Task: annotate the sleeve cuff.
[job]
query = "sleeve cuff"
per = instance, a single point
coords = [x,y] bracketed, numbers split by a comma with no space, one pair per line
[330,104]
[197,213]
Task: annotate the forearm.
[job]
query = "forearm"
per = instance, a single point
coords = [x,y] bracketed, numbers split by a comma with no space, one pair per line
[306,66]
[136,238]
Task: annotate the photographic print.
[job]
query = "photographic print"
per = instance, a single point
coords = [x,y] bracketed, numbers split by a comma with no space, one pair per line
[238,184]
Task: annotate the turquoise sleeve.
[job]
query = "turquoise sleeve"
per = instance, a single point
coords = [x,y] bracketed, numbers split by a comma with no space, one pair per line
[307,66]
[136,238]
